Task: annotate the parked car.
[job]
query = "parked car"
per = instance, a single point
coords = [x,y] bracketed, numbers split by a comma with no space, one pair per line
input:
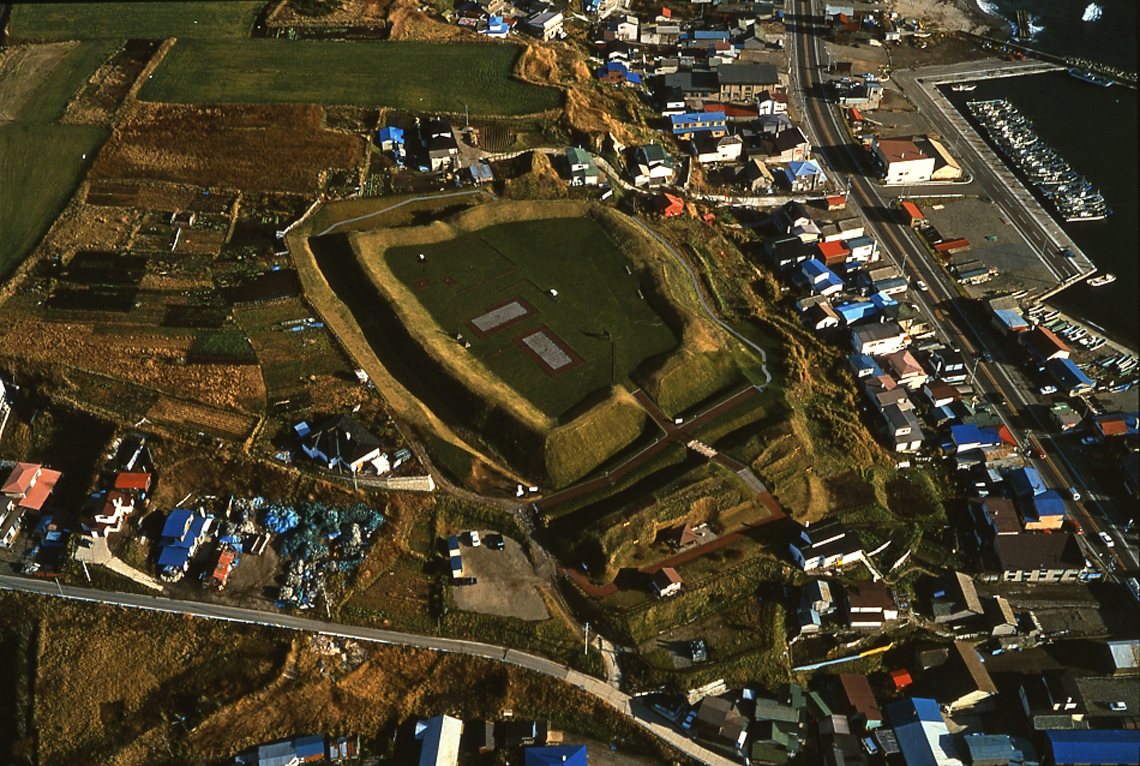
[1075,525]
[689,725]
[1035,453]
[1106,539]
[922,285]
[465,581]
[1087,440]
[475,541]
[1075,494]
[1118,706]
[1046,390]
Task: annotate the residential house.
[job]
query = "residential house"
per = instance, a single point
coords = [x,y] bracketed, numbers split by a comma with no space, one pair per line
[481,172]
[863,366]
[963,681]
[792,219]
[772,102]
[563,755]
[785,253]
[955,599]
[821,316]
[802,175]
[27,488]
[862,707]
[344,443]
[5,407]
[708,149]
[903,426]
[767,126]
[292,752]
[719,720]
[940,393]
[1025,482]
[826,545]
[946,168]
[603,8]
[183,532]
[859,92]
[438,138]
[921,732]
[134,483]
[863,250]
[816,277]
[878,339]
[666,582]
[115,508]
[670,101]
[1037,557]
[545,25]
[755,177]
[391,140]
[663,34]
[902,161]
[689,124]
[1070,379]
[883,392]
[669,205]
[1009,322]
[1042,512]
[999,614]
[734,113]
[626,28]
[744,82]
[905,369]
[583,171]
[854,312]
[616,72]
[440,737]
[996,515]
[652,166]
[870,605]
[786,146]
[1116,424]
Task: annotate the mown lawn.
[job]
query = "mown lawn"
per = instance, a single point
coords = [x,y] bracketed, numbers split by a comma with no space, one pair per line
[419,77]
[137,20]
[39,169]
[597,311]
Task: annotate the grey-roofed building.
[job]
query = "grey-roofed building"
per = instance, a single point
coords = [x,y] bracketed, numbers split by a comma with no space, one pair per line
[1124,657]
[988,749]
[1040,557]
[955,598]
[744,82]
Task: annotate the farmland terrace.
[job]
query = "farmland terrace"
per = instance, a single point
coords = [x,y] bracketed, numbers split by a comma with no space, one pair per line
[402,75]
[526,337]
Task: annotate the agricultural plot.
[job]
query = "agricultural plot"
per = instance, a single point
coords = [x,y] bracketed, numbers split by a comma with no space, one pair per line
[148,20]
[195,416]
[37,81]
[253,148]
[419,77]
[40,167]
[549,306]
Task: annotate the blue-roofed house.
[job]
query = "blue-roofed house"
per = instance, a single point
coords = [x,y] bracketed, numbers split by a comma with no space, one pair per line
[296,751]
[709,35]
[1070,380]
[1025,482]
[497,26]
[968,437]
[1043,511]
[181,536]
[805,175]
[864,366]
[883,301]
[564,755]
[617,73]
[390,139]
[921,732]
[310,748]
[687,125]
[440,736]
[856,311]
[1107,747]
[817,277]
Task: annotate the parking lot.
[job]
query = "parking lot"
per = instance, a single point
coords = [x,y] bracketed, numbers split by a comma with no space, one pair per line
[506,583]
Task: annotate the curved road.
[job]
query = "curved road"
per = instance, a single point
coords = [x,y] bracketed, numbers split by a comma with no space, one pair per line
[589,684]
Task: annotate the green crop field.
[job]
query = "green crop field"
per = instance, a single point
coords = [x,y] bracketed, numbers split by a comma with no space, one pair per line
[39,169]
[142,20]
[46,100]
[597,311]
[404,75]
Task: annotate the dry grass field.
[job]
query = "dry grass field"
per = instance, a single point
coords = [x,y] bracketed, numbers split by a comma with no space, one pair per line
[252,148]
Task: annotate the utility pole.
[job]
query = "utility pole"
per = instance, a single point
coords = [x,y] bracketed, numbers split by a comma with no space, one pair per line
[586,640]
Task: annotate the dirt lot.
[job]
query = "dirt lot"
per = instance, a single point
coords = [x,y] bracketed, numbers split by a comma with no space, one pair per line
[255,148]
[506,582]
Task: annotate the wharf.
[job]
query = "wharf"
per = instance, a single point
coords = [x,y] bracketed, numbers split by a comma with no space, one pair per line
[1037,226]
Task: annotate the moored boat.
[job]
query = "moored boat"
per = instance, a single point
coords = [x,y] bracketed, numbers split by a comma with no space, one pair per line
[1103,279]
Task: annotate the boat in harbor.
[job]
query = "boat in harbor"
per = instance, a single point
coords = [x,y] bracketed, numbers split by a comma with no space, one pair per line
[1103,279]
[1090,77]
[1072,197]
[963,87]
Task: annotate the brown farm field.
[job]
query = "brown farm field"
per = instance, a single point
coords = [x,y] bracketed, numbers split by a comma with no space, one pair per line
[280,148]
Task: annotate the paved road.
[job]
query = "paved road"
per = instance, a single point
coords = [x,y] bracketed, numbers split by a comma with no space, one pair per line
[588,684]
[942,304]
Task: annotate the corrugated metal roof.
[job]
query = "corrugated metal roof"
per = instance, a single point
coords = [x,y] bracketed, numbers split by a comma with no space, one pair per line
[1100,746]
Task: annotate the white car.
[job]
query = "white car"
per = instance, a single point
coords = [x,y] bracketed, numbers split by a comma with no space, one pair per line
[475,542]
[1075,493]
[1118,706]
[1046,390]
[1104,538]
[921,285]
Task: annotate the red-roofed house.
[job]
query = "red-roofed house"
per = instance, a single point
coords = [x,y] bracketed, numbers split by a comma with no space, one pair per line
[670,206]
[116,507]
[1043,344]
[902,678]
[27,489]
[667,582]
[836,202]
[833,253]
[139,482]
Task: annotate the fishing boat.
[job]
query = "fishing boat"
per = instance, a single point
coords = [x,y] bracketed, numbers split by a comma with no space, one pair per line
[1103,279]
[963,87]
[1089,77]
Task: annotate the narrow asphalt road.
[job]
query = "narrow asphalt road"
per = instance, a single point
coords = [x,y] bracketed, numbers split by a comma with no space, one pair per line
[589,684]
